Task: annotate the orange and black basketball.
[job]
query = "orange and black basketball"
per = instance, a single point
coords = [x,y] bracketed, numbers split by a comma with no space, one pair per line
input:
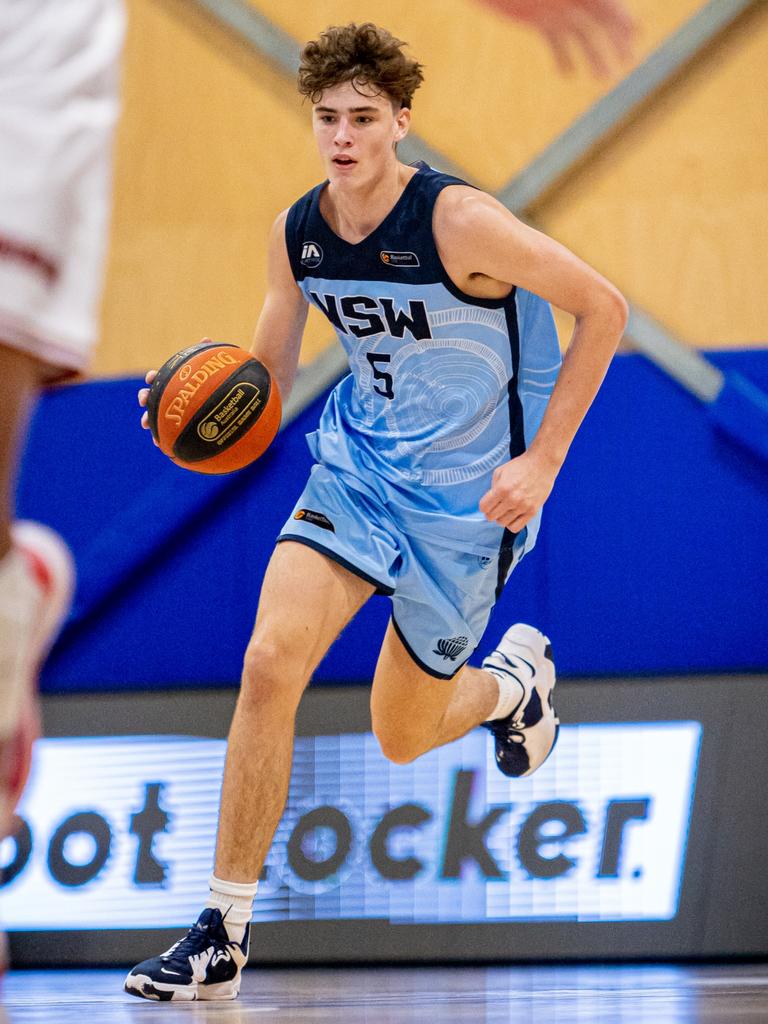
[213,408]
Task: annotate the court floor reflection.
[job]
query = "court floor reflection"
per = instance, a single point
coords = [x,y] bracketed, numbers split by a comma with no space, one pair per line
[658,994]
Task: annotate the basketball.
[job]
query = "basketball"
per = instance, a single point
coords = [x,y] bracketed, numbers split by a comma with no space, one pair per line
[213,408]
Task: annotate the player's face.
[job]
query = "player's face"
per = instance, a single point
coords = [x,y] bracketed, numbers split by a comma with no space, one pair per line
[356,132]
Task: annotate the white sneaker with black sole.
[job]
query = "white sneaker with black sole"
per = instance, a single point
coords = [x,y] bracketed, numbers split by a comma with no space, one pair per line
[205,964]
[527,736]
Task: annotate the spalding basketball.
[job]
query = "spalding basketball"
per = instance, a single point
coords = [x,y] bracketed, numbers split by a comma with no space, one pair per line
[213,408]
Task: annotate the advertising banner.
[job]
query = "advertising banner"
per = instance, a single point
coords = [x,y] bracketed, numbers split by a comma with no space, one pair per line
[119,832]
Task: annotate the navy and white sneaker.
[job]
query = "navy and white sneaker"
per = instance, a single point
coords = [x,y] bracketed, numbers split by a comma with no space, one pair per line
[526,737]
[205,964]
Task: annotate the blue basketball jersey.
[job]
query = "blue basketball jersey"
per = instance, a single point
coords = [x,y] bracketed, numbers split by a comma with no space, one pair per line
[444,387]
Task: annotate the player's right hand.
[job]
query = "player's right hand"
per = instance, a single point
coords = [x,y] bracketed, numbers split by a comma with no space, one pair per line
[143,396]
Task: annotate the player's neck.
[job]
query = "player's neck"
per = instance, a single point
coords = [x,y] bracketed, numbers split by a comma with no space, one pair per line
[353,213]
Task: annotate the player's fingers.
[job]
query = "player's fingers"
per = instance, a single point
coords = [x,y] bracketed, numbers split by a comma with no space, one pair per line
[143,395]
[619,26]
[145,420]
[492,506]
[585,34]
[559,47]
[487,502]
[150,376]
[517,523]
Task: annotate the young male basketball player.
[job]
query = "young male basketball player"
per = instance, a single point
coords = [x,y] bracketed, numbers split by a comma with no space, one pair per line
[433,460]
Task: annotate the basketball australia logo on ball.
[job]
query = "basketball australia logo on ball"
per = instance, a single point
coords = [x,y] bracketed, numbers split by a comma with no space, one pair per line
[213,408]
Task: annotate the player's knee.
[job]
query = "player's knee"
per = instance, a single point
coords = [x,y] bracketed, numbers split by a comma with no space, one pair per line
[267,677]
[398,747]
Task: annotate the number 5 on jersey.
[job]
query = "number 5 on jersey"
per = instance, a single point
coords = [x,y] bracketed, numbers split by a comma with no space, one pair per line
[381,375]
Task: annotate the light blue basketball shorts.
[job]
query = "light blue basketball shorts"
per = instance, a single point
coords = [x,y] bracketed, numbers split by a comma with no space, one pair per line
[441,597]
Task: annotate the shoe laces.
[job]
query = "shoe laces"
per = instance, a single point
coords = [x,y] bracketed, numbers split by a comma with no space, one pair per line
[193,942]
[508,728]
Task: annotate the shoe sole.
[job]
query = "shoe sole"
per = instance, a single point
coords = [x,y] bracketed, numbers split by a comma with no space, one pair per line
[144,987]
[545,696]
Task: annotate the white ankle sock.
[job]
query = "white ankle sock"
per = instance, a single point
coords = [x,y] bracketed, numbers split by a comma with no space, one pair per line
[511,692]
[235,901]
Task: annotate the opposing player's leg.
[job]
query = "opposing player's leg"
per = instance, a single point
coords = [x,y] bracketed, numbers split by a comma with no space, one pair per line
[306,601]
[414,711]
[36,579]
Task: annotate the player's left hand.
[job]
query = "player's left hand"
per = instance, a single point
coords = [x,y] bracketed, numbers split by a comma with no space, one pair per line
[518,490]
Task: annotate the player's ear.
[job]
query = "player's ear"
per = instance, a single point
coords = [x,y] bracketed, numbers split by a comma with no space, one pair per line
[402,123]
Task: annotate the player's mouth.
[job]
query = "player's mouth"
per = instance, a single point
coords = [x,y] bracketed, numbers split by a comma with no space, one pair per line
[344,161]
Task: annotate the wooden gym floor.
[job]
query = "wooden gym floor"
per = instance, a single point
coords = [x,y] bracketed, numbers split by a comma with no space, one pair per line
[658,994]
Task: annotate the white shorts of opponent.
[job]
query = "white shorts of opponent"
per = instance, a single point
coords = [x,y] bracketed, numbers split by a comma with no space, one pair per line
[59,78]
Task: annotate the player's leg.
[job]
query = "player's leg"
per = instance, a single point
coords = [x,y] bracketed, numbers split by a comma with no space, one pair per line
[20,377]
[306,601]
[423,694]
[35,584]
[414,711]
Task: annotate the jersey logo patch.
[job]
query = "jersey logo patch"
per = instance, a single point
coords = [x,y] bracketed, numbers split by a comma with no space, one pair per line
[451,648]
[399,259]
[315,518]
[311,254]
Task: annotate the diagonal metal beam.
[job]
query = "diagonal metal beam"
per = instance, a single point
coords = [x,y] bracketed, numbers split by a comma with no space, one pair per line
[253,27]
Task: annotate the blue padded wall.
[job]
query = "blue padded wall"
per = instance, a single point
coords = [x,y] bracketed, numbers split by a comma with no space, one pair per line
[652,559]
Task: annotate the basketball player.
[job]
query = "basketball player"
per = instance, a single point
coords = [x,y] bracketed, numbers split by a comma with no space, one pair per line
[433,460]
[58,104]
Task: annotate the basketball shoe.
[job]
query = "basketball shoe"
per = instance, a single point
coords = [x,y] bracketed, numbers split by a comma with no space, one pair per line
[205,964]
[527,736]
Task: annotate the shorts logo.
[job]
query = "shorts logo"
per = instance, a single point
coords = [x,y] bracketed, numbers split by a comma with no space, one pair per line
[399,259]
[450,649]
[311,254]
[315,518]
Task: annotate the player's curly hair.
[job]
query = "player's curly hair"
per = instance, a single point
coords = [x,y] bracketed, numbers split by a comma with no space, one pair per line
[365,55]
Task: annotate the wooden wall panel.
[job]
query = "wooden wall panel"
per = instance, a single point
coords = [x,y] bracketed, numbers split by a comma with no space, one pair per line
[675,209]
[211,145]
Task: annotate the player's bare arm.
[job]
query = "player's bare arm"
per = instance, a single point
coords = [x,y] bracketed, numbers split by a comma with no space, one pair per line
[485,249]
[280,327]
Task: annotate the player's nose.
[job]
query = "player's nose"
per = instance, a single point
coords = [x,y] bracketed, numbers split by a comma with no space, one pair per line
[343,135]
